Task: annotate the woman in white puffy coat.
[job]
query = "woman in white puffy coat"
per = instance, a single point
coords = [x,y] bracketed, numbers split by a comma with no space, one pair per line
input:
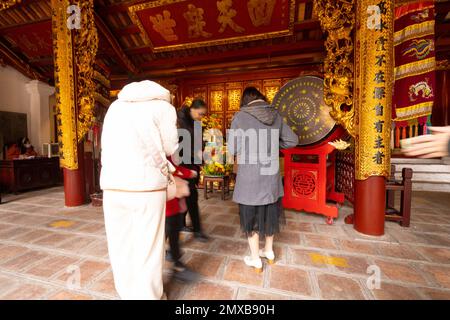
[134,185]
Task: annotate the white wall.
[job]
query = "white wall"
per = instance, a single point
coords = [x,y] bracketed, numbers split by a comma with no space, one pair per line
[13,94]
[21,94]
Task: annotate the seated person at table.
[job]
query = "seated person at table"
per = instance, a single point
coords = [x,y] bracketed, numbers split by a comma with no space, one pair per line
[12,151]
[26,149]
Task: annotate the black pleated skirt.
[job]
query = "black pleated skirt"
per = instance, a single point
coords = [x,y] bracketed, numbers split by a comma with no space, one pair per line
[264,220]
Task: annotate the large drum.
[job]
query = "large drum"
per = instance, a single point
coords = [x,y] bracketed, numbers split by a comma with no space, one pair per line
[309,169]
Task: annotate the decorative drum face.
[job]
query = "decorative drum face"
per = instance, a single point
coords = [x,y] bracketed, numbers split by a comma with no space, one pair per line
[301,105]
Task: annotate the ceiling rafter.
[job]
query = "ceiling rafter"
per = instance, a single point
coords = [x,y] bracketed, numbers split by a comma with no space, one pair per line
[7,55]
[121,55]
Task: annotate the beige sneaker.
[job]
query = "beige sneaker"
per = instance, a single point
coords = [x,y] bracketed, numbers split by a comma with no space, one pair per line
[256,264]
[269,255]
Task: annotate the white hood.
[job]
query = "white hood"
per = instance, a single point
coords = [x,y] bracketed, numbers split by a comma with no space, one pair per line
[144,91]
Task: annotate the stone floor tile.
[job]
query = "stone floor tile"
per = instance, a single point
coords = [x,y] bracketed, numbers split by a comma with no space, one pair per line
[357,246]
[50,266]
[400,272]
[334,230]
[53,239]
[87,272]
[399,251]
[288,237]
[290,279]
[440,274]
[232,247]
[31,236]
[26,292]
[105,285]
[334,287]
[224,230]
[207,265]
[299,226]
[69,295]
[237,270]
[209,291]
[77,244]
[305,257]
[9,252]
[435,294]
[250,294]
[24,261]
[389,291]
[319,241]
[439,255]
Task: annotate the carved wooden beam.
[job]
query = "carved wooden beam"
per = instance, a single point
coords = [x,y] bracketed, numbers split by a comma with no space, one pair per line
[123,58]
[17,63]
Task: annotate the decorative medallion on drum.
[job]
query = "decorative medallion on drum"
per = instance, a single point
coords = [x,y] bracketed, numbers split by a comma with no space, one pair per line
[304,184]
[300,103]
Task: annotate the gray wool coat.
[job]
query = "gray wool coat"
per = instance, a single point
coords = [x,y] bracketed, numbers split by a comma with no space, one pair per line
[256,147]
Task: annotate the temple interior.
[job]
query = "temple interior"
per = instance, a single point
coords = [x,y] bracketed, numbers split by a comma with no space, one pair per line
[357,209]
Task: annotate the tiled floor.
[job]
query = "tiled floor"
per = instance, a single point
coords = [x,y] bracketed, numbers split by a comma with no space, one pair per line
[45,248]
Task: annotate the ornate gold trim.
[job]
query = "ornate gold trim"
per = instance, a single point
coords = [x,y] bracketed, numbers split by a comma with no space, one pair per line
[8,3]
[413,31]
[337,19]
[404,114]
[64,84]
[135,19]
[86,44]
[415,68]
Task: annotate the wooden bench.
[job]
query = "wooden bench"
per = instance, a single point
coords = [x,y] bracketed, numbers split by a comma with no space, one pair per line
[403,216]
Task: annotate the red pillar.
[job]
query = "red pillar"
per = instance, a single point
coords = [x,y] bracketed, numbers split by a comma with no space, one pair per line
[75,183]
[370,200]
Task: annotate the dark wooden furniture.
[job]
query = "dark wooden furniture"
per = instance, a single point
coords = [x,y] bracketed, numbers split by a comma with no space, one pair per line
[27,174]
[224,185]
[403,216]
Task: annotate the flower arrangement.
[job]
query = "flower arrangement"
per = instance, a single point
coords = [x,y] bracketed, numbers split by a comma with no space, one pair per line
[211,122]
[215,162]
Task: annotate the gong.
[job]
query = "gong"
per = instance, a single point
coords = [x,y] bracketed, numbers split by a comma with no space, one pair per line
[301,105]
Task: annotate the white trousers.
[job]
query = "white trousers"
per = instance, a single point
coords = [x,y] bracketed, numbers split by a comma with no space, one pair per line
[134,223]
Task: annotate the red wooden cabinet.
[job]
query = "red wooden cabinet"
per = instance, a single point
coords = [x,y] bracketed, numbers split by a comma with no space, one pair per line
[309,179]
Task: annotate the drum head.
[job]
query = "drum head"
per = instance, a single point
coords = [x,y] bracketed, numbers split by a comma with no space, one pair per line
[301,105]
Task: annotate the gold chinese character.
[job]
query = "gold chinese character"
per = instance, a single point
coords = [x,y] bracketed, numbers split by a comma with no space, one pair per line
[164,25]
[261,11]
[226,16]
[194,17]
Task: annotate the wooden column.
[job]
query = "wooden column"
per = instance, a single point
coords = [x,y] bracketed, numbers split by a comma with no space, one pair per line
[75,183]
[441,107]
[373,100]
[74,55]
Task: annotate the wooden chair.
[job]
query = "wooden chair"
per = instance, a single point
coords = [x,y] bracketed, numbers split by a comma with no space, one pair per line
[224,185]
[403,216]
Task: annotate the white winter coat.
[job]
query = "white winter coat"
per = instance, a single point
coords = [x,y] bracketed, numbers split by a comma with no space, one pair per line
[140,121]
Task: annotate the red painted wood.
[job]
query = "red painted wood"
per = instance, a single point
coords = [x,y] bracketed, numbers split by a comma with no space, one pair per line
[318,186]
[74,183]
[370,205]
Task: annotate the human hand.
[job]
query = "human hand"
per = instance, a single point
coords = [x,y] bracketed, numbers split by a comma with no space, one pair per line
[428,146]
[194,174]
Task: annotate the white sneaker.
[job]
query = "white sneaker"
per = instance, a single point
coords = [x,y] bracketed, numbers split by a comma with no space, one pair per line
[257,263]
[269,255]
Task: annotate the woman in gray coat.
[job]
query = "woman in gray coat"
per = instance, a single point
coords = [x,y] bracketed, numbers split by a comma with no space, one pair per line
[257,133]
